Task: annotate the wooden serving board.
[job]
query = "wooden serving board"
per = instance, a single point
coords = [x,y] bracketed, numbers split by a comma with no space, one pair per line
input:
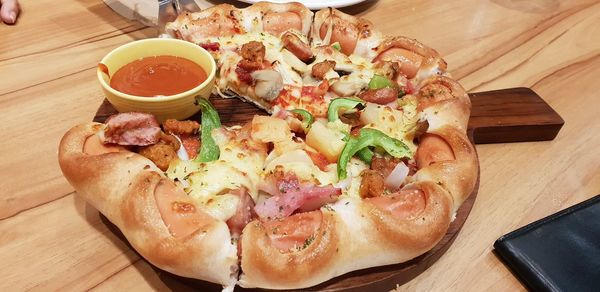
[508,115]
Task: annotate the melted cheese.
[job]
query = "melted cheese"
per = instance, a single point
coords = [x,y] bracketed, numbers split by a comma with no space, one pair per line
[299,162]
[399,124]
[354,169]
[274,54]
[209,183]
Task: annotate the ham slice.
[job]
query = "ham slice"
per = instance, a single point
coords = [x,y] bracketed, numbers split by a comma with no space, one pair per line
[290,195]
[244,213]
[139,129]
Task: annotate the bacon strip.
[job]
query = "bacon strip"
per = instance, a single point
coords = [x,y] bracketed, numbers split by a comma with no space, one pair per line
[289,196]
[138,129]
[244,213]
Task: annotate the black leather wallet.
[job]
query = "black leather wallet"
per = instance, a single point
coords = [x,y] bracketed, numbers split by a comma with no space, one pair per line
[558,253]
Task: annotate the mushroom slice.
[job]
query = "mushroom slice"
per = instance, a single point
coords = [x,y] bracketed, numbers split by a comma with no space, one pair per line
[268,84]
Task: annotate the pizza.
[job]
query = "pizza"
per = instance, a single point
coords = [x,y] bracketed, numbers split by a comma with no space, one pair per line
[361,161]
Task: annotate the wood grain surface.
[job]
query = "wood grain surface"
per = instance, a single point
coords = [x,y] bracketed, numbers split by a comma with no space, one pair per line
[51,240]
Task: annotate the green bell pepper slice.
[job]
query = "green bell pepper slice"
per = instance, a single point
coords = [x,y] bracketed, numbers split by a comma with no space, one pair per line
[339,103]
[336,46]
[378,82]
[209,150]
[306,117]
[370,137]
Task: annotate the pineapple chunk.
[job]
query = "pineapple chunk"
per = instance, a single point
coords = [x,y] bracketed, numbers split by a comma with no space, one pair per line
[327,141]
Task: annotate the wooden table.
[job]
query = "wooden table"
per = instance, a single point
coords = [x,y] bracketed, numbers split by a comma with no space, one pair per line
[50,239]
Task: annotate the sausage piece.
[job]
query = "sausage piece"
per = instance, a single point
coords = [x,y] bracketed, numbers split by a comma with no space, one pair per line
[138,129]
[320,69]
[253,51]
[180,128]
[163,152]
[384,165]
[372,184]
[380,96]
[297,47]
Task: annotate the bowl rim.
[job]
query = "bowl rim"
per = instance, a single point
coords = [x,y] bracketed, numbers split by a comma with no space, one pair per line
[154,99]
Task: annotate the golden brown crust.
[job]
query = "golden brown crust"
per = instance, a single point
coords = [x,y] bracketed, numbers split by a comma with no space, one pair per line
[417,60]
[122,186]
[457,176]
[267,267]
[359,36]
[444,102]
[219,20]
[422,232]
[384,239]
[264,8]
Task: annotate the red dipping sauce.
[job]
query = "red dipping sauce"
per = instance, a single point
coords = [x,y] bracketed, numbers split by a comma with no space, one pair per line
[158,75]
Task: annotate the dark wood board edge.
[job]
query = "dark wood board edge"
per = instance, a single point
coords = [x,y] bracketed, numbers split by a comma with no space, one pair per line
[512,115]
[498,116]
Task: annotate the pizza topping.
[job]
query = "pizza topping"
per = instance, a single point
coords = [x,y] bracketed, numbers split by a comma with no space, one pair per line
[297,47]
[348,85]
[187,133]
[388,70]
[336,46]
[316,92]
[253,54]
[320,69]
[306,118]
[290,195]
[396,177]
[253,51]
[180,128]
[244,213]
[163,152]
[244,74]
[338,104]
[191,146]
[138,129]
[378,82]
[293,61]
[268,83]
[372,184]
[318,159]
[211,46]
[380,96]
[209,150]
[366,138]
[327,141]
[385,165]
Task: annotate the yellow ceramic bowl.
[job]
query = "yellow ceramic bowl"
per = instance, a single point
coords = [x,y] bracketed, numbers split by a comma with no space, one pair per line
[179,106]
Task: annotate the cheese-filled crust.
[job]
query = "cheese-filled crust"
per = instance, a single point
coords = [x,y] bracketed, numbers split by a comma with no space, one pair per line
[127,188]
[308,59]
